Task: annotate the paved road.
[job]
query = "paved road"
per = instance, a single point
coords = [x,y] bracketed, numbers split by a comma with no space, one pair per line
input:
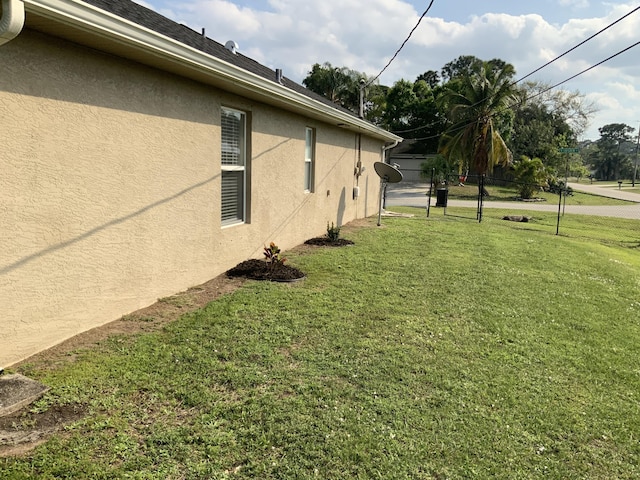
[415,195]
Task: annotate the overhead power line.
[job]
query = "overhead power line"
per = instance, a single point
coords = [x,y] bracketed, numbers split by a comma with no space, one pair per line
[577,46]
[415,129]
[582,72]
[557,58]
[403,44]
[551,87]
[567,52]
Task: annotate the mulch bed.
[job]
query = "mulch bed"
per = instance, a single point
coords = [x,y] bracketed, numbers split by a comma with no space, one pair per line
[255,269]
[327,242]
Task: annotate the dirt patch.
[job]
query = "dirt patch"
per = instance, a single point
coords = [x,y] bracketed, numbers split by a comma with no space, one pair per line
[18,391]
[149,319]
[20,432]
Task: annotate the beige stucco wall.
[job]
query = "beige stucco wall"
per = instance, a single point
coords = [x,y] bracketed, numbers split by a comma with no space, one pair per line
[110,188]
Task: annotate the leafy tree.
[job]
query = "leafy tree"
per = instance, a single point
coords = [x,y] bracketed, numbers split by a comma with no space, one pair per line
[341,85]
[437,165]
[546,120]
[412,111]
[572,108]
[577,168]
[431,77]
[611,160]
[375,103]
[463,66]
[466,65]
[327,81]
[538,133]
[401,100]
[531,176]
[474,102]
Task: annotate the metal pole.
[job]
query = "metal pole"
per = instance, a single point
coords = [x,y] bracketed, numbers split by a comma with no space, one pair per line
[433,172]
[382,186]
[361,109]
[446,195]
[481,199]
[635,166]
[566,182]
[559,207]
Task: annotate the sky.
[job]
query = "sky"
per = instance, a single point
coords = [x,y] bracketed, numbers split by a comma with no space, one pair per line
[363,35]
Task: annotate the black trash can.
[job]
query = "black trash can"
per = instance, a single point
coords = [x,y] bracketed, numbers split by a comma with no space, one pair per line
[441,197]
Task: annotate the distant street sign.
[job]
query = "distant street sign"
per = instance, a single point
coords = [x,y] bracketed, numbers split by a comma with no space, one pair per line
[569,150]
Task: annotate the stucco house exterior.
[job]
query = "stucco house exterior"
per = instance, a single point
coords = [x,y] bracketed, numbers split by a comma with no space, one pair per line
[139,158]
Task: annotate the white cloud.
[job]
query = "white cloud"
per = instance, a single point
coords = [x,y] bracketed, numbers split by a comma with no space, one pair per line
[143,3]
[293,35]
[575,3]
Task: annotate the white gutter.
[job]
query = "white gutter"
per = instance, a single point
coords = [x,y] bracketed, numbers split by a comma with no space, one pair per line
[102,23]
[12,20]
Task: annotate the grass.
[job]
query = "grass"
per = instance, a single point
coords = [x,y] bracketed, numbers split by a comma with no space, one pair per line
[626,185]
[431,349]
[506,194]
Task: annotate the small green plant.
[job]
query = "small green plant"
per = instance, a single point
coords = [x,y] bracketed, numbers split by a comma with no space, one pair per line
[333,232]
[272,254]
[531,175]
[557,186]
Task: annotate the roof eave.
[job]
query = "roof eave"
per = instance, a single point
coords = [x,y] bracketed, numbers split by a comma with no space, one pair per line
[159,50]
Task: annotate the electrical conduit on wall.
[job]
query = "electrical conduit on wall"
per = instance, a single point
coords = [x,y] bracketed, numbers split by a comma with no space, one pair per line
[12,20]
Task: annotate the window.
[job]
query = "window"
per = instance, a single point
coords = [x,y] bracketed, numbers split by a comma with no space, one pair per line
[309,157]
[234,171]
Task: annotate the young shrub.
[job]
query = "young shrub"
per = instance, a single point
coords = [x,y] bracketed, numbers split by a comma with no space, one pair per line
[531,175]
[333,232]
[272,254]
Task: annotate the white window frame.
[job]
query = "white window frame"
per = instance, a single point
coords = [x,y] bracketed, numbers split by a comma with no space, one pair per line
[240,165]
[309,158]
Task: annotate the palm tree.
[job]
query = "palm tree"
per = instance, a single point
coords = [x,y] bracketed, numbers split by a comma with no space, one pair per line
[474,102]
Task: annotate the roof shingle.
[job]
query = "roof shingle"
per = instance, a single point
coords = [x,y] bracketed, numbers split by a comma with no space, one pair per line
[152,20]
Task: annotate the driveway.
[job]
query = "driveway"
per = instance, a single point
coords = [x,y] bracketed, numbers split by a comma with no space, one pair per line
[415,195]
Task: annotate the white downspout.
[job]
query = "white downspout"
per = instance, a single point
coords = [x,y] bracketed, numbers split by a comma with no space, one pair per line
[388,147]
[12,20]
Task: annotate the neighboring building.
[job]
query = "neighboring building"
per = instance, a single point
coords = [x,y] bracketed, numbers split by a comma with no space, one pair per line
[140,158]
[410,164]
[409,157]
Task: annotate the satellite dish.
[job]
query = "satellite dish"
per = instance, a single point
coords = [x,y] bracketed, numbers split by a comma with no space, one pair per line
[231,46]
[388,174]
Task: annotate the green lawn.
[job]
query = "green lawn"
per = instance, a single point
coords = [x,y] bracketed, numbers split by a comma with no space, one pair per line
[503,194]
[430,349]
[626,185]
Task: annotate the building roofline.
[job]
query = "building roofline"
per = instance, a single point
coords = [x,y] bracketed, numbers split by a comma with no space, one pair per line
[161,51]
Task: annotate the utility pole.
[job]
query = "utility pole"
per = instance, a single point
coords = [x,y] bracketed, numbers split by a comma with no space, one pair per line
[635,166]
[361,109]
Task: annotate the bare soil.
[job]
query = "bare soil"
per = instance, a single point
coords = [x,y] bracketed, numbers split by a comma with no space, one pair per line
[23,430]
